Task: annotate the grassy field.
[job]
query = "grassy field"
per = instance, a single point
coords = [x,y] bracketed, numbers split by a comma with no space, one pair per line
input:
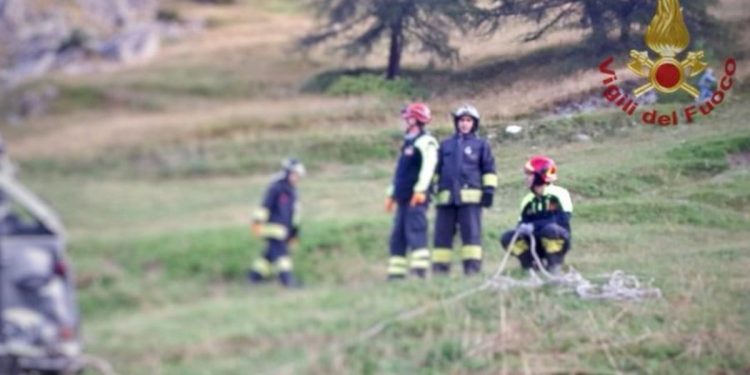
[155,169]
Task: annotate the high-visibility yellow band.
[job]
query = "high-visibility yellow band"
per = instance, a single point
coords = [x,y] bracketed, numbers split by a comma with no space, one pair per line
[274,231]
[444,197]
[442,255]
[420,254]
[471,252]
[428,148]
[398,261]
[420,259]
[398,265]
[284,264]
[489,180]
[261,214]
[397,271]
[471,196]
[262,266]
[519,247]
[553,245]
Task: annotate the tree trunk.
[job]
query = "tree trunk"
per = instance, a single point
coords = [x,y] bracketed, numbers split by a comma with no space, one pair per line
[625,31]
[595,13]
[394,56]
[625,16]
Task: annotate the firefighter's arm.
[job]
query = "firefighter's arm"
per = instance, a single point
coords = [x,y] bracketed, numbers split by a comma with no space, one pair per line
[566,205]
[436,176]
[428,148]
[390,203]
[489,175]
[263,213]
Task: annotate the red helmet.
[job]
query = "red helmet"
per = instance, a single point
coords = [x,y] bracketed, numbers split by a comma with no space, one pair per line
[543,168]
[418,111]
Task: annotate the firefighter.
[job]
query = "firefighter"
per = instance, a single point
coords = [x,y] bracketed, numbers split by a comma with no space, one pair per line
[466,182]
[277,221]
[409,195]
[545,214]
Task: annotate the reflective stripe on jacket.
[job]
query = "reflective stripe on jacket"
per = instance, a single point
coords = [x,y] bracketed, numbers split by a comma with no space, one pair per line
[466,168]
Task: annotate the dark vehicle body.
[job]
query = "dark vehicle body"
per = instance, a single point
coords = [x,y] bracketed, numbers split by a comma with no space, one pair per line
[38,311]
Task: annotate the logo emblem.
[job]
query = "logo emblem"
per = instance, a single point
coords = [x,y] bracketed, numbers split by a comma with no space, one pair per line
[667,35]
[409,151]
[467,150]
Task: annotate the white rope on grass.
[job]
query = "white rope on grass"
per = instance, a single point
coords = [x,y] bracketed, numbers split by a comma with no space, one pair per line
[620,286]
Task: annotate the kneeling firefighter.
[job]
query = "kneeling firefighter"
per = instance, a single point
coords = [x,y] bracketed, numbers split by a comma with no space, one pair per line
[466,182]
[277,221]
[545,214]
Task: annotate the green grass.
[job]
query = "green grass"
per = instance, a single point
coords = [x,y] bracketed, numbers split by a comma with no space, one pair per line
[160,244]
[161,260]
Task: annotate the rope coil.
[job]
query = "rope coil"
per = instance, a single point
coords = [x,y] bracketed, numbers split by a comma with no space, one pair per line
[619,287]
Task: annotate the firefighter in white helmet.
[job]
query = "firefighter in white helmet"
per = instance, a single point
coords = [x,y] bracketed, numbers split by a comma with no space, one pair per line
[277,221]
[466,182]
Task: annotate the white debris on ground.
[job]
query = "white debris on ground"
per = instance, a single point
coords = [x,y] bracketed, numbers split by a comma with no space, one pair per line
[513,129]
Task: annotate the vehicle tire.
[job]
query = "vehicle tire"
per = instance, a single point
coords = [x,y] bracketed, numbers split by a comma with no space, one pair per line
[8,365]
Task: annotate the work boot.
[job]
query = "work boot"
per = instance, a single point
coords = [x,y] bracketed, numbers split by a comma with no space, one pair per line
[396,277]
[442,269]
[255,277]
[555,269]
[472,266]
[419,272]
[554,265]
[288,280]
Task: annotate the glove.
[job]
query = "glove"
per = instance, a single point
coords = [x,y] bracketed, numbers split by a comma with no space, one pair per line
[256,228]
[390,204]
[487,198]
[294,233]
[417,199]
[292,242]
[525,229]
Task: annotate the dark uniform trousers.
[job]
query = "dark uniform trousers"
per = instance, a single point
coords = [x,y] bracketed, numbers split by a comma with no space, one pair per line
[468,219]
[552,243]
[408,242]
[279,220]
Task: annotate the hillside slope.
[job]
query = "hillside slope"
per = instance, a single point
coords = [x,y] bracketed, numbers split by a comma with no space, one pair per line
[155,168]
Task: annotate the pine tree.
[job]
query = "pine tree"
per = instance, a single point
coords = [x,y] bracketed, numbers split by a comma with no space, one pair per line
[423,24]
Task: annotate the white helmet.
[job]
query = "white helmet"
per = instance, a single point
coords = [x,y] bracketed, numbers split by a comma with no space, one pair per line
[294,165]
[467,110]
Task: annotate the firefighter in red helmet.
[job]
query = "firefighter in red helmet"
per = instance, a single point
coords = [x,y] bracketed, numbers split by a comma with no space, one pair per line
[545,214]
[408,195]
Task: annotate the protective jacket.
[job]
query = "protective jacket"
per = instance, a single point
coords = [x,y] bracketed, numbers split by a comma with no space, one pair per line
[466,169]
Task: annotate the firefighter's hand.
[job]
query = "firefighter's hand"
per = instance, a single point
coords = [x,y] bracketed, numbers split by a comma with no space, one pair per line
[390,204]
[417,199]
[256,228]
[525,229]
[293,242]
[487,198]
